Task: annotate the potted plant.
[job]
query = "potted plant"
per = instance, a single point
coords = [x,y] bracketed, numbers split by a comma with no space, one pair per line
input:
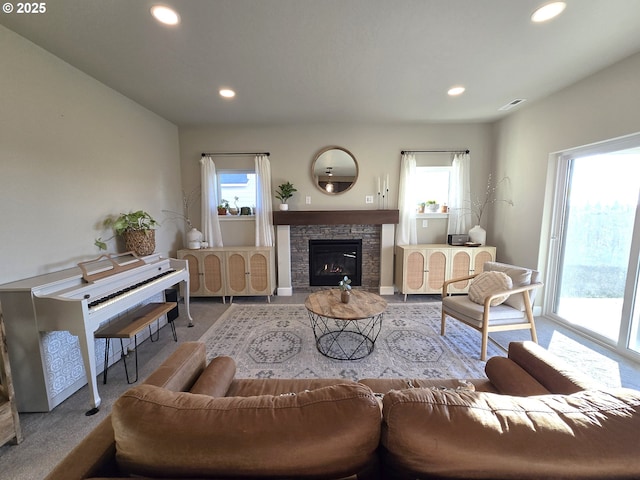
[345,289]
[223,207]
[421,207]
[137,229]
[284,193]
[234,210]
[432,206]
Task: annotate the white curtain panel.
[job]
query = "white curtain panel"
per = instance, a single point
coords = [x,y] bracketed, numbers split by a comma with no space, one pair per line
[264,223]
[210,223]
[406,233]
[459,195]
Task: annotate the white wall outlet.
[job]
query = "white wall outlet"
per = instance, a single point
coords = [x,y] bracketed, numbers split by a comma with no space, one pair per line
[307,200]
[368,199]
[425,223]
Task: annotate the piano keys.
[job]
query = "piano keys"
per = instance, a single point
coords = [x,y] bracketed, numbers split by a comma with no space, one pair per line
[39,311]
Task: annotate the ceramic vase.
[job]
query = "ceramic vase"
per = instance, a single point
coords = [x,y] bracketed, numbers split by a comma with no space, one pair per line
[284,206]
[194,239]
[345,296]
[478,234]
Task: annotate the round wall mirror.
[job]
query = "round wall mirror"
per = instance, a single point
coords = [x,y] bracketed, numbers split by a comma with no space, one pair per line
[334,170]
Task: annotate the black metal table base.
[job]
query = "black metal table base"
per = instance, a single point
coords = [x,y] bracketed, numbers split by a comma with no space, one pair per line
[345,339]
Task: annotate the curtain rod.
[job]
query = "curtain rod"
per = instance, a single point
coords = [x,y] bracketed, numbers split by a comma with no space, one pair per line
[230,154]
[462,150]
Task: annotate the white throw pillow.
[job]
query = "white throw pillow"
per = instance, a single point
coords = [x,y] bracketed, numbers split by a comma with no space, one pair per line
[488,283]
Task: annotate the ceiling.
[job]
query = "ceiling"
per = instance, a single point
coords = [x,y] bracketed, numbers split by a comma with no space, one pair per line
[304,61]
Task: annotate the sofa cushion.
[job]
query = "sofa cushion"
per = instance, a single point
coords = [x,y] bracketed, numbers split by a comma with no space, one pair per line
[488,283]
[216,377]
[331,431]
[551,371]
[511,379]
[462,434]
[520,277]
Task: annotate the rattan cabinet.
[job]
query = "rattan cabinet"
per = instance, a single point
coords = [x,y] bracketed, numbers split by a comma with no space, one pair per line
[206,272]
[230,271]
[423,268]
[467,261]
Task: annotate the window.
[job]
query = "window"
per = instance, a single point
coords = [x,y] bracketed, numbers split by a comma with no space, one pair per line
[593,263]
[240,184]
[432,185]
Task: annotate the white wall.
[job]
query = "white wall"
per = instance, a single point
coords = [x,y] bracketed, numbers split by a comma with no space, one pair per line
[293,148]
[73,151]
[603,106]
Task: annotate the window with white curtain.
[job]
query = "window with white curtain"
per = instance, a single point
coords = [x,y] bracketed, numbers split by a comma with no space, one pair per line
[432,184]
[238,187]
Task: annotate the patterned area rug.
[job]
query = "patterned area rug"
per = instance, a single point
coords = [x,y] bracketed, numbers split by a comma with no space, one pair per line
[276,341]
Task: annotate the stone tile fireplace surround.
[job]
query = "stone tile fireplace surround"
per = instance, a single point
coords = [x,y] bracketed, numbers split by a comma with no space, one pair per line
[376,228]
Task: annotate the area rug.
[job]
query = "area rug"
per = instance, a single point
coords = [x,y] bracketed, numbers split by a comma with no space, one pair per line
[276,341]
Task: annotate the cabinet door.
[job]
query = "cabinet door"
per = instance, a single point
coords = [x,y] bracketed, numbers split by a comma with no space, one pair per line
[237,273]
[468,261]
[195,284]
[259,273]
[482,255]
[212,273]
[415,269]
[460,267]
[436,270]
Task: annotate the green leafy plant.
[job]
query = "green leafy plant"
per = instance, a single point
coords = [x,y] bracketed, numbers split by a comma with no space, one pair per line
[224,204]
[285,192]
[345,284]
[127,222]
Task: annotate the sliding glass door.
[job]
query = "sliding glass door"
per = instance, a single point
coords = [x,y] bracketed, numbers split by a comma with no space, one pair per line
[593,281]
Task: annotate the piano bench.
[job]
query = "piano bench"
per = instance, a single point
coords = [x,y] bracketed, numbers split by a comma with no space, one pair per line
[129,325]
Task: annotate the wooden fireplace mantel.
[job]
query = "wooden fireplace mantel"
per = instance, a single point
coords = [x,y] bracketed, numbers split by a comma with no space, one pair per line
[336,217]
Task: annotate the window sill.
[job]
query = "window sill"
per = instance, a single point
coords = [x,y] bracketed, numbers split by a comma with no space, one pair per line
[432,215]
[236,218]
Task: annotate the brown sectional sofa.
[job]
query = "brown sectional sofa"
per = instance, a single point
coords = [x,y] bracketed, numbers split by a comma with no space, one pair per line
[531,418]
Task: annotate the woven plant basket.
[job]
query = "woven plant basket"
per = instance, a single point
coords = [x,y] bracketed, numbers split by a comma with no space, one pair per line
[141,242]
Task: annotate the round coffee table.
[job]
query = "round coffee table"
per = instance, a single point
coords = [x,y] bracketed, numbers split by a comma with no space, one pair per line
[345,331]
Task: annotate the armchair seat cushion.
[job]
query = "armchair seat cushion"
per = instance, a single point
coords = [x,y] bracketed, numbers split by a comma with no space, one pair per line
[463,308]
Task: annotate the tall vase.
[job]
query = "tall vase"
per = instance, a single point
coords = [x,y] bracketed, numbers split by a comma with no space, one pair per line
[478,234]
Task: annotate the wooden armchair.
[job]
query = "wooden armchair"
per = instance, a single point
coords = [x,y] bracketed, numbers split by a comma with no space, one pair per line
[514,313]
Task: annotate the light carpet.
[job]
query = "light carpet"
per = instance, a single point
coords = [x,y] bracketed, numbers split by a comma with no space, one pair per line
[276,341]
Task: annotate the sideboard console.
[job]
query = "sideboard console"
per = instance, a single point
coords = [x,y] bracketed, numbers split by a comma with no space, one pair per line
[424,268]
[230,271]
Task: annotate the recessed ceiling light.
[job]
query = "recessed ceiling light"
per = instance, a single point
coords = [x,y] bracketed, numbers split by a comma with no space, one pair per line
[548,11]
[227,93]
[455,91]
[165,15]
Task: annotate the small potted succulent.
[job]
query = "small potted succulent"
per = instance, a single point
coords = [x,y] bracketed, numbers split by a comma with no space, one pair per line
[345,289]
[223,207]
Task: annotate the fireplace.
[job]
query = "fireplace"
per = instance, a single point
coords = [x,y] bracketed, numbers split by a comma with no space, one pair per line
[331,260]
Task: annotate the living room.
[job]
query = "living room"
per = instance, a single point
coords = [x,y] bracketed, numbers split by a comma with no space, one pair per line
[74,150]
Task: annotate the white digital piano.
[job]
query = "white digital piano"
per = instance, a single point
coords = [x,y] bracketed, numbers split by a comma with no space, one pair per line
[44,314]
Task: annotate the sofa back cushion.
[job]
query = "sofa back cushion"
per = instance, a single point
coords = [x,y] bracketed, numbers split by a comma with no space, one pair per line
[331,431]
[462,434]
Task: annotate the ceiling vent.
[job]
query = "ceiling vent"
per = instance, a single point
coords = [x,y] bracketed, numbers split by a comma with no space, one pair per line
[512,104]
